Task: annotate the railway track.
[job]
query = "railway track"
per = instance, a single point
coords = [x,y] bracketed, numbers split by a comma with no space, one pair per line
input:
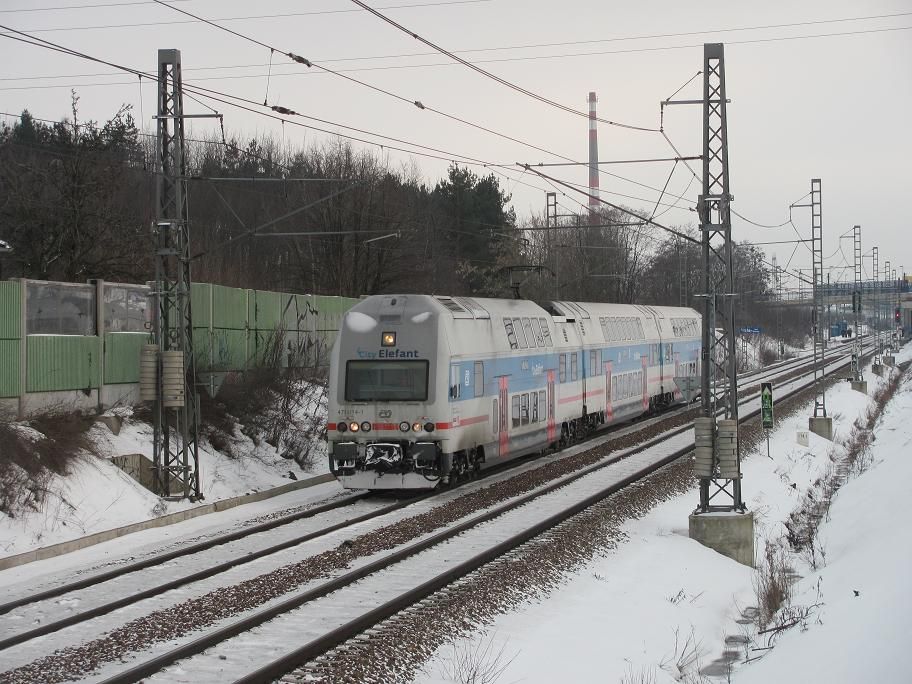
[231,559]
[320,587]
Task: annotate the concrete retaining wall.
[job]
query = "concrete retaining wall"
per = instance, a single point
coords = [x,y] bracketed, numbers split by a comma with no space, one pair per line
[106,535]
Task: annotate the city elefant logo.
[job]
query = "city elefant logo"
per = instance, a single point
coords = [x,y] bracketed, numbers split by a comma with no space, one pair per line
[387,353]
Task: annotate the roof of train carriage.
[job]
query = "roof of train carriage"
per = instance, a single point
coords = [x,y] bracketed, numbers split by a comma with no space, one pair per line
[489,313]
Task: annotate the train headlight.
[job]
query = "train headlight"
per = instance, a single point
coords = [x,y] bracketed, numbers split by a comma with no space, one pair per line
[388,339]
[342,427]
[416,427]
[365,426]
[354,427]
[428,427]
[404,426]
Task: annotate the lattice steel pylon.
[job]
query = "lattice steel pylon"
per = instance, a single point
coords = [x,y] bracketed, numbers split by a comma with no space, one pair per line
[819,332]
[176,411]
[885,306]
[719,379]
[875,295]
[550,236]
[857,306]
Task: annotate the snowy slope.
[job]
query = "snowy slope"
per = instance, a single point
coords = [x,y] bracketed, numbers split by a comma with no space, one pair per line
[661,607]
[96,495]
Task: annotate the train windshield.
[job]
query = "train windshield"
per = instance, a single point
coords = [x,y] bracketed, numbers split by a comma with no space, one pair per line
[386,381]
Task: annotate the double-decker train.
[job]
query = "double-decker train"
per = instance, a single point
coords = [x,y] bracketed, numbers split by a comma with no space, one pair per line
[424,389]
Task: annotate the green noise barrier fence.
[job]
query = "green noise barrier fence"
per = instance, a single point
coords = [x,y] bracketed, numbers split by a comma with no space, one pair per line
[82,337]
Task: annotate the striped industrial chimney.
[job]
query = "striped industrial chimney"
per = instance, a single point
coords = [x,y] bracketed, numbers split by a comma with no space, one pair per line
[593,162]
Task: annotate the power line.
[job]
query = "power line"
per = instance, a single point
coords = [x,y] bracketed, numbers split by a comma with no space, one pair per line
[416,103]
[244,18]
[79,7]
[498,79]
[649,221]
[341,72]
[760,225]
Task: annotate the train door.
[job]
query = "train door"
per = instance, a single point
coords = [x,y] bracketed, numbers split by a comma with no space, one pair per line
[582,376]
[552,430]
[503,436]
[661,367]
[645,382]
[677,361]
[609,408]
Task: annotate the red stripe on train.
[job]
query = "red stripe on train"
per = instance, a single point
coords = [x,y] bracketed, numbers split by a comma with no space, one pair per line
[463,422]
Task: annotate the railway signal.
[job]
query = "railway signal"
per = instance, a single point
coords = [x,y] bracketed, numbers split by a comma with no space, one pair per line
[766,405]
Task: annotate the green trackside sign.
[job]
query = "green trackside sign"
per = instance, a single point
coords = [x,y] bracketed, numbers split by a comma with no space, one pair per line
[766,404]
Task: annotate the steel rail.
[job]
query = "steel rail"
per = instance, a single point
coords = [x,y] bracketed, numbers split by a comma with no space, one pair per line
[215,569]
[338,636]
[185,551]
[151,591]
[251,621]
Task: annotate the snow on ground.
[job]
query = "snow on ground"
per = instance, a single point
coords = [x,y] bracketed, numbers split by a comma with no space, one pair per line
[756,351]
[662,605]
[96,495]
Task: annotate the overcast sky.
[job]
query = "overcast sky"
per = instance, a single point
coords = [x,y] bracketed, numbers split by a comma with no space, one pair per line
[833,107]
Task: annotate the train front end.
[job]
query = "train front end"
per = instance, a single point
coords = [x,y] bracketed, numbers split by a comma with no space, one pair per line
[382,428]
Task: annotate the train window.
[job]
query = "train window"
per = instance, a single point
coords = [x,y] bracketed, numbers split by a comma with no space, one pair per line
[533,401]
[546,331]
[520,336]
[593,362]
[530,336]
[536,329]
[511,336]
[541,404]
[479,378]
[454,381]
[495,418]
[386,381]
[524,409]
[516,410]
[574,367]
[562,367]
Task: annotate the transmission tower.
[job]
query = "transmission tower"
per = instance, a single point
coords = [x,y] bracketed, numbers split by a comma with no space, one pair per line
[857,306]
[875,295]
[885,305]
[718,463]
[551,235]
[819,337]
[176,411]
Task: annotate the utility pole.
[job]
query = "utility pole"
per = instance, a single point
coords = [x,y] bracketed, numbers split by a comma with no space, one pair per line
[885,304]
[682,272]
[717,462]
[819,423]
[551,223]
[858,382]
[176,410]
[817,254]
[720,468]
[876,296]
